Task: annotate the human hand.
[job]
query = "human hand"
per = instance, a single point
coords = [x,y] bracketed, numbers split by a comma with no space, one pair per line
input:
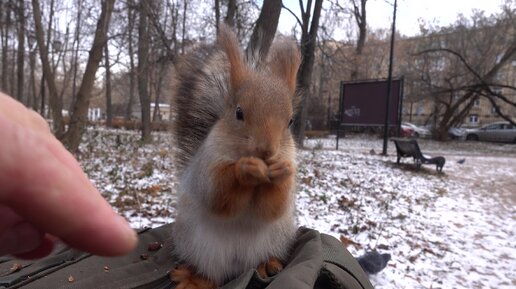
[44,194]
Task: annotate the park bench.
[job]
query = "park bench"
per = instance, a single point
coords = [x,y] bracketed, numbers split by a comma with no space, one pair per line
[410,148]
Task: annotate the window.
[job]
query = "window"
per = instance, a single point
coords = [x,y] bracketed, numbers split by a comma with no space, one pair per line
[473,119]
[476,103]
[493,110]
[496,90]
[420,110]
[494,126]
[440,64]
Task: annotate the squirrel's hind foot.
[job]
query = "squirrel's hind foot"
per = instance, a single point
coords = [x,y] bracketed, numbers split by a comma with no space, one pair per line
[185,278]
[270,268]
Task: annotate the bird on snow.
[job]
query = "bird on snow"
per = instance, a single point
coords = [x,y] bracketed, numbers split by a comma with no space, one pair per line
[461,161]
[373,262]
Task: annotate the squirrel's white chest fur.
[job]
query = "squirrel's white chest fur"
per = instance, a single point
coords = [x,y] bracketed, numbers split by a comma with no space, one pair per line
[221,248]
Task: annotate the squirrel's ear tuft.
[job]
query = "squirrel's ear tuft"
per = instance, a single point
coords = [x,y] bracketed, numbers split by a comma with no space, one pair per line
[284,60]
[229,43]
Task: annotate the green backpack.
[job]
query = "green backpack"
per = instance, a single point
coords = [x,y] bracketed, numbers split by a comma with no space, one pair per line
[318,261]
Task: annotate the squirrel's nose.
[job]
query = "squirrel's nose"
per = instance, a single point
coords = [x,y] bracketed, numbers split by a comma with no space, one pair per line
[263,153]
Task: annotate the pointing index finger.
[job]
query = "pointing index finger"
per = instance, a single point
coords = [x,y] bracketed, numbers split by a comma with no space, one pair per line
[44,184]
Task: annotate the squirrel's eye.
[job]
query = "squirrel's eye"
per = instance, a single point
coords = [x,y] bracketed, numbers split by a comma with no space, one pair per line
[239,113]
[290,122]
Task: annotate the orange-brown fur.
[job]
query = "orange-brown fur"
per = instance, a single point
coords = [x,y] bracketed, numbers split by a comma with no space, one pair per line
[269,268]
[187,279]
[249,180]
[236,211]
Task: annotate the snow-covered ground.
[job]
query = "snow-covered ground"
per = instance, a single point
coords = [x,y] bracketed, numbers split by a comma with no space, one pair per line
[450,230]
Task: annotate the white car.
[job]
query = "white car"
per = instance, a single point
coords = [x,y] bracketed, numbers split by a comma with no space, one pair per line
[418,131]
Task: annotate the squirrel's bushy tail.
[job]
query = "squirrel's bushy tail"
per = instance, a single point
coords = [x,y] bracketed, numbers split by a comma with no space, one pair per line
[199,99]
[203,80]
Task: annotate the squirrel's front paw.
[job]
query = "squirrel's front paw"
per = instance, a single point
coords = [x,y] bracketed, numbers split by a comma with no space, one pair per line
[270,268]
[251,171]
[279,169]
[184,278]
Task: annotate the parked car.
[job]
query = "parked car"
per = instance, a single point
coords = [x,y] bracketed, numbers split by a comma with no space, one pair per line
[417,131]
[406,131]
[501,131]
[456,133]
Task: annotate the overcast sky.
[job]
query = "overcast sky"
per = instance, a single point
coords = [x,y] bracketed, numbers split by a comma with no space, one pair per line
[379,12]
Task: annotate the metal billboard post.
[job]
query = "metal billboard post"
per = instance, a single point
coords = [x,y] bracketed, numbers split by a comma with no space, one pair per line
[389,81]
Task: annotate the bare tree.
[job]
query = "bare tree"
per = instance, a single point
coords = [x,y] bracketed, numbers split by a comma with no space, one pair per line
[32,101]
[55,103]
[132,67]
[5,26]
[461,64]
[79,115]
[309,26]
[143,70]
[109,107]
[265,28]
[76,45]
[217,15]
[20,79]
[230,15]
[359,12]
[183,34]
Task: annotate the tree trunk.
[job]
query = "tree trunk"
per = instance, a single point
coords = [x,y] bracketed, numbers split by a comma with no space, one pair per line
[217,15]
[130,20]
[109,107]
[21,54]
[361,20]
[143,71]
[265,29]
[455,113]
[159,84]
[360,17]
[33,99]
[4,35]
[75,60]
[79,115]
[230,16]
[183,35]
[304,76]
[42,98]
[175,17]
[55,105]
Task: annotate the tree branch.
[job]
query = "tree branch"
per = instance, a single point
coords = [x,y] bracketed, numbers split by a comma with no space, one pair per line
[295,16]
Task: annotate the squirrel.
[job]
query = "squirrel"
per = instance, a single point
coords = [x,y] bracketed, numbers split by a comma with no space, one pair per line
[236,157]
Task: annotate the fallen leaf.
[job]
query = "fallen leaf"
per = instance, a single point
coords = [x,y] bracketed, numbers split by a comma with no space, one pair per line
[15,268]
[347,241]
[154,246]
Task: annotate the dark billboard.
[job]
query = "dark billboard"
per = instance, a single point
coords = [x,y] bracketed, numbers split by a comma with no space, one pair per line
[363,103]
